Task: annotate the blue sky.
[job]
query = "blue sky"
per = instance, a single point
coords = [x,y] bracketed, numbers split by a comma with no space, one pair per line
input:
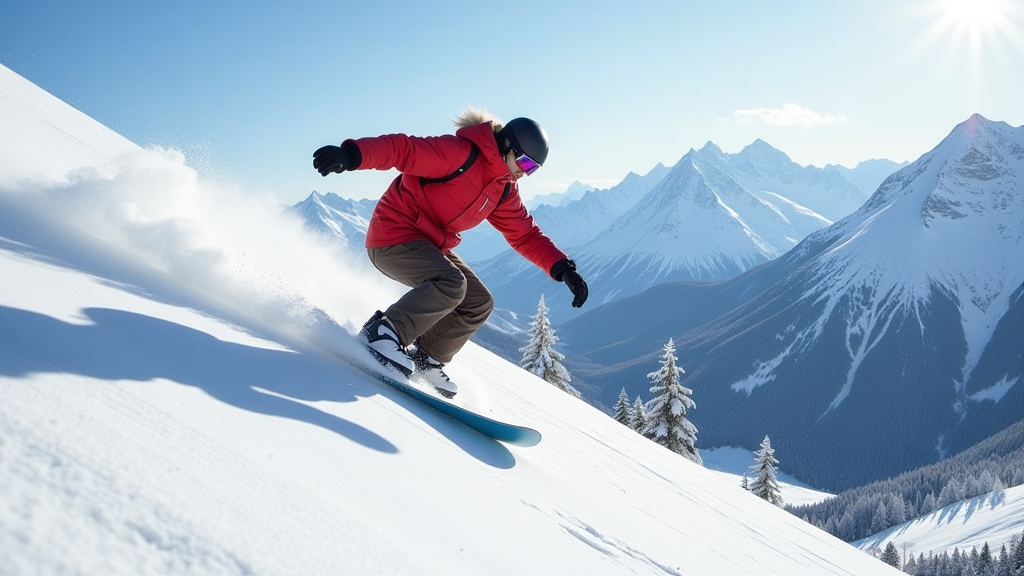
[249,89]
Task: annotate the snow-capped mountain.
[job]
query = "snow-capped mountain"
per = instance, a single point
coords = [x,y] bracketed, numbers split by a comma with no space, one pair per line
[761,168]
[889,339]
[340,218]
[575,191]
[867,175]
[579,222]
[567,224]
[172,402]
[699,223]
[702,221]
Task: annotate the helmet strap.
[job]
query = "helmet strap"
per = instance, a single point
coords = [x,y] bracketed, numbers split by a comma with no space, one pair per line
[504,142]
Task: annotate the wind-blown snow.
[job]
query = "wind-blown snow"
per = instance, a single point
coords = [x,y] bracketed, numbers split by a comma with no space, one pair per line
[170,403]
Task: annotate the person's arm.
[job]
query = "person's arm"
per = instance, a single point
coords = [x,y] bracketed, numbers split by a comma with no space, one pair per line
[430,157]
[513,221]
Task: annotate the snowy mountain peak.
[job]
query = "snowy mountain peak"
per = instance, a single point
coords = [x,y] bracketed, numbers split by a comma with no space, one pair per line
[945,231]
[997,139]
[702,184]
[763,154]
[975,170]
[711,149]
[574,192]
[699,222]
[346,220]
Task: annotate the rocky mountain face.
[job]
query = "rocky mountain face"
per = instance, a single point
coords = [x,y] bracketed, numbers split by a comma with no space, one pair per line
[881,343]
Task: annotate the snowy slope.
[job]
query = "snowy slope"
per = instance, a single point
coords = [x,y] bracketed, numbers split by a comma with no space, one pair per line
[171,404]
[734,463]
[994,518]
[44,138]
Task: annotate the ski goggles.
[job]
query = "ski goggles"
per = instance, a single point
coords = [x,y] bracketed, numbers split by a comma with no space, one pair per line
[527,164]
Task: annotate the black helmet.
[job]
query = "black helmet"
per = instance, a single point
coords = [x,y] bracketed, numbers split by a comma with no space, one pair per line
[525,137]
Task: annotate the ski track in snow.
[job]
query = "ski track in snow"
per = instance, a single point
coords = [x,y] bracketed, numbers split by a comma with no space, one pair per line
[614,549]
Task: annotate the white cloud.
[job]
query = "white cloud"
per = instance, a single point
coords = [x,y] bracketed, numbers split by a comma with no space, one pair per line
[789,114]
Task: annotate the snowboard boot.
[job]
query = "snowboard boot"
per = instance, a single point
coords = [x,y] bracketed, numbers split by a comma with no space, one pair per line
[432,372]
[381,338]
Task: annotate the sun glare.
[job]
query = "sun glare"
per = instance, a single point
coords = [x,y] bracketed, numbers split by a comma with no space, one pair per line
[976,16]
[977,23]
[977,41]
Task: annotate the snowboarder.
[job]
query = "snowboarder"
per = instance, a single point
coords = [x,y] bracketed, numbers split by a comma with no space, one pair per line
[447,185]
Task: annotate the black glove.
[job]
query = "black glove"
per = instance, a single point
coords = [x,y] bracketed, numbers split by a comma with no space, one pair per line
[577,286]
[565,271]
[332,159]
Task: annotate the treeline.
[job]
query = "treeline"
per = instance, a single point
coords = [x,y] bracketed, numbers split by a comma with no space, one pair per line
[992,465]
[1008,561]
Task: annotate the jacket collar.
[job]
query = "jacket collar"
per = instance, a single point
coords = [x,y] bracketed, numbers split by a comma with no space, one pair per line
[483,136]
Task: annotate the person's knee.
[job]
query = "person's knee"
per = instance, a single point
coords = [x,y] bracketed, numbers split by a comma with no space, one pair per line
[452,285]
[488,304]
[480,308]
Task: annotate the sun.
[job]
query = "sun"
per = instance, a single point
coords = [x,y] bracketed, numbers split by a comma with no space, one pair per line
[978,41]
[976,25]
[975,19]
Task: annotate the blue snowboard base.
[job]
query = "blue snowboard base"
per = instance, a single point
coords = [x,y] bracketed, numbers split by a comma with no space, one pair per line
[501,431]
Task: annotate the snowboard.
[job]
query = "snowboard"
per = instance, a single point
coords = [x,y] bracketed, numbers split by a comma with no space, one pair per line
[501,431]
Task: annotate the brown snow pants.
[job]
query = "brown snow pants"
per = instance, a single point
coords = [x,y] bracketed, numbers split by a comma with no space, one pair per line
[447,304]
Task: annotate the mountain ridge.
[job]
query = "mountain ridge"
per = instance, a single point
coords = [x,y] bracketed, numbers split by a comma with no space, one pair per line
[711,217]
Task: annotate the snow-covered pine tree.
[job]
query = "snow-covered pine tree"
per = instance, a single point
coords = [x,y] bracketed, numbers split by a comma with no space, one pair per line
[1003,564]
[891,556]
[951,493]
[1017,559]
[639,422]
[765,484]
[880,521]
[623,410]
[666,413]
[539,355]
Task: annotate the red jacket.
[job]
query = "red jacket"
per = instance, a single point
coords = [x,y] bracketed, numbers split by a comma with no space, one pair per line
[439,212]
